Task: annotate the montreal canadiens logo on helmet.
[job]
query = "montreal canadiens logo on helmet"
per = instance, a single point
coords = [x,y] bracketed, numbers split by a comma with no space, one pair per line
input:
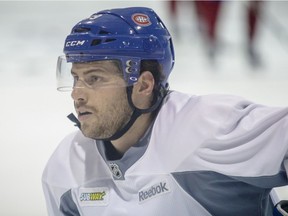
[141,19]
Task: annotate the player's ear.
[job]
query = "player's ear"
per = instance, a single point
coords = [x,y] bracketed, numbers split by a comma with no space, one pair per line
[145,83]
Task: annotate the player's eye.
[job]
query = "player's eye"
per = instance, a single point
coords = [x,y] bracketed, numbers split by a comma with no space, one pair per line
[75,79]
[93,80]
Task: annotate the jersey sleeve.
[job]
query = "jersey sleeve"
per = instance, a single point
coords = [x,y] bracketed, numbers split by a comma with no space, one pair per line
[251,140]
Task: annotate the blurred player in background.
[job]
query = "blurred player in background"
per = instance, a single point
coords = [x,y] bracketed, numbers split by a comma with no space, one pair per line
[208,13]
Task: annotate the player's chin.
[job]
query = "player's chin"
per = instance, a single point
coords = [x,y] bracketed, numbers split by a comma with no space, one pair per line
[87,131]
[95,133]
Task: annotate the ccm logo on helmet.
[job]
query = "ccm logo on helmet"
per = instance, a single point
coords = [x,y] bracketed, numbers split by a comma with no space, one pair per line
[74,43]
[141,19]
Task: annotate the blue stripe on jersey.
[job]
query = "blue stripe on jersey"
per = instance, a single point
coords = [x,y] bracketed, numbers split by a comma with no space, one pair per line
[223,195]
[67,205]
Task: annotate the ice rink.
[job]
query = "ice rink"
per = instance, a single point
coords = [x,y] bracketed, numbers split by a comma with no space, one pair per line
[33,114]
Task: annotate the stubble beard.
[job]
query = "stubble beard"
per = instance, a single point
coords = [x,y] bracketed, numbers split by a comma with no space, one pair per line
[108,121]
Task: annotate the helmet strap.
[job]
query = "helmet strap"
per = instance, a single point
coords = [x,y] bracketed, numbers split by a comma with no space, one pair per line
[158,97]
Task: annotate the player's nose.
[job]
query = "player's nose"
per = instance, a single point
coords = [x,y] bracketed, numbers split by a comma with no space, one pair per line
[79,94]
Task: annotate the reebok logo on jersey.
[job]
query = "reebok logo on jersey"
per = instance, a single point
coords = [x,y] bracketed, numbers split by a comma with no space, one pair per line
[153,191]
[93,196]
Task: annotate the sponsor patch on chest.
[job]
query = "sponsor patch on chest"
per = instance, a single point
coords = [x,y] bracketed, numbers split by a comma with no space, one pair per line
[153,191]
[93,196]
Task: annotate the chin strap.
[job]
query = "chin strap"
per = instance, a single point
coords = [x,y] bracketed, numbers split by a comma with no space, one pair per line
[157,100]
[73,118]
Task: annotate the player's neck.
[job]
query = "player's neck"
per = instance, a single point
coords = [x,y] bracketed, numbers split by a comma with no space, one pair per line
[134,134]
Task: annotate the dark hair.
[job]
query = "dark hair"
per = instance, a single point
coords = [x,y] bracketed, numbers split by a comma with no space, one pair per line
[155,68]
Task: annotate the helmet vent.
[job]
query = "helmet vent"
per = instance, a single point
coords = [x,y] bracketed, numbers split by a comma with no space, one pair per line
[109,40]
[96,42]
[81,30]
[103,32]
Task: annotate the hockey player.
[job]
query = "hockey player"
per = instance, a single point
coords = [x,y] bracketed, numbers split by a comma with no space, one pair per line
[142,149]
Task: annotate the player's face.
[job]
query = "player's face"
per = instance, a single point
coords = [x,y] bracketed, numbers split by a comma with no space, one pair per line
[100,98]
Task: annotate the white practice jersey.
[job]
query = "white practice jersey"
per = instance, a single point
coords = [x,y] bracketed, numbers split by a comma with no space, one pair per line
[214,155]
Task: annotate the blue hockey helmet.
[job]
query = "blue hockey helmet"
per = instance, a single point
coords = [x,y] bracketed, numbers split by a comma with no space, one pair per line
[126,34]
